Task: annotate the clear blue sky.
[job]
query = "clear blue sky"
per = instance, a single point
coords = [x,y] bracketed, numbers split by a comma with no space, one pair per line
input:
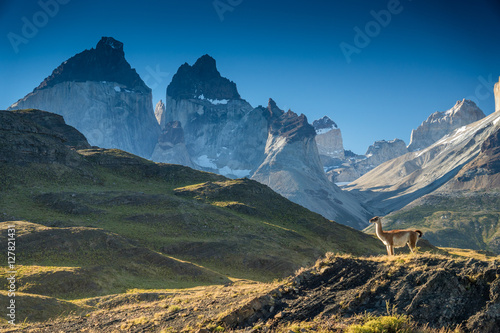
[422,58]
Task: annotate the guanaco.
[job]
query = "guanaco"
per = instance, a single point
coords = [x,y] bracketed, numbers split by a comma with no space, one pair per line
[396,238]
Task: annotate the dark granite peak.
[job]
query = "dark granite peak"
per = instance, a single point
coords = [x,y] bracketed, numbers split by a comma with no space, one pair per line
[104,63]
[201,79]
[324,123]
[110,42]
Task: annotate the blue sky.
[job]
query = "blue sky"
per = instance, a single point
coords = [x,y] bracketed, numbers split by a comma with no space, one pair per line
[377,68]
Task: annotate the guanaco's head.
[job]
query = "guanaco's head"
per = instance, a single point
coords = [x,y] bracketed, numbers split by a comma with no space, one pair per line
[375,219]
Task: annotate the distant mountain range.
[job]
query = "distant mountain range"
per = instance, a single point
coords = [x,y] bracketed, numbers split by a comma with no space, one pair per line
[205,124]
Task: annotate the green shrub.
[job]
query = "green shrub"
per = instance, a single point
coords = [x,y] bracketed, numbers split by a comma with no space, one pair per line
[385,324]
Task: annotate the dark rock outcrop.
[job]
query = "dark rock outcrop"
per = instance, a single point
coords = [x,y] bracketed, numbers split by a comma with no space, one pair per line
[34,136]
[324,123]
[434,291]
[288,124]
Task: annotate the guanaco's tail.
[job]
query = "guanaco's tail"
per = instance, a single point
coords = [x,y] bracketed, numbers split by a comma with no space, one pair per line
[419,233]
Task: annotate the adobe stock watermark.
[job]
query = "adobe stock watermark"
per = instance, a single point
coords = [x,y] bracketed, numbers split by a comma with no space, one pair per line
[484,88]
[156,76]
[363,37]
[30,27]
[223,6]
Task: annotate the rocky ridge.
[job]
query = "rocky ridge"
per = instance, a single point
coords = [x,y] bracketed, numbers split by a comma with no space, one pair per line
[441,123]
[354,167]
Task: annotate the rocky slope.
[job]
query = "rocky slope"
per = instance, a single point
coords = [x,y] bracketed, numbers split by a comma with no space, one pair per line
[97,92]
[293,169]
[483,172]
[440,124]
[430,291]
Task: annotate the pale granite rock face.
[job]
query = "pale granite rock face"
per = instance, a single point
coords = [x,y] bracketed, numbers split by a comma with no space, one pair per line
[160,113]
[440,124]
[497,95]
[356,166]
[171,147]
[108,114]
[382,151]
[328,138]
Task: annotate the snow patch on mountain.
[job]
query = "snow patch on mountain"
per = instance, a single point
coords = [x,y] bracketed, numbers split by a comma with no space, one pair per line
[214,101]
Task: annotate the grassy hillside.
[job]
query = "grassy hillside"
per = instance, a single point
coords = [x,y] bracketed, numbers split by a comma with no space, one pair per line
[470,220]
[76,262]
[235,228]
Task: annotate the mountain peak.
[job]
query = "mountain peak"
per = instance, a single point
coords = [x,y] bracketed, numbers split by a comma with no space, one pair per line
[324,125]
[288,124]
[105,63]
[206,66]
[201,79]
[110,42]
[465,105]
[273,109]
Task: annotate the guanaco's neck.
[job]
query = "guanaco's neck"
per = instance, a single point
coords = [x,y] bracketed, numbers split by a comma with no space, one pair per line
[378,229]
